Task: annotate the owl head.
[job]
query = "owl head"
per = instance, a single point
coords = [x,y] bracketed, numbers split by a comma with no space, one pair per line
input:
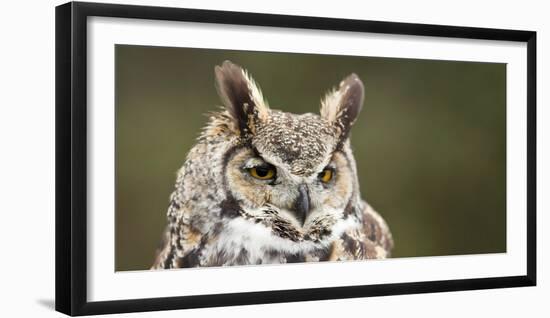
[292,172]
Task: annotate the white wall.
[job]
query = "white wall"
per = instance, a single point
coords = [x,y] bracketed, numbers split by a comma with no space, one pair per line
[27,158]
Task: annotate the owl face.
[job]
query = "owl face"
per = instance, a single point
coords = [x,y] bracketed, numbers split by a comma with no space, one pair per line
[292,164]
[293,172]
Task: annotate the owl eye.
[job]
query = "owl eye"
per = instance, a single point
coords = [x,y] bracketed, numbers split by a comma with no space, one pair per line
[264,172]
[326,175]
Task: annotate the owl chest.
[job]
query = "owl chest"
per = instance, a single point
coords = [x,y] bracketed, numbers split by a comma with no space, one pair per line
[246,243]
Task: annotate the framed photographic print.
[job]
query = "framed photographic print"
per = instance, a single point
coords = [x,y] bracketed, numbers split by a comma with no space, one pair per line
[208,158]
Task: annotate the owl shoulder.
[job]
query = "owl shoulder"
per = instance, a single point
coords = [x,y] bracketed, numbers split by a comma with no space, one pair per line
[372,239]
[181,243]
[376,229]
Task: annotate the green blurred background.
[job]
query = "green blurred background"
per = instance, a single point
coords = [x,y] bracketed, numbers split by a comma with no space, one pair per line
[430,143]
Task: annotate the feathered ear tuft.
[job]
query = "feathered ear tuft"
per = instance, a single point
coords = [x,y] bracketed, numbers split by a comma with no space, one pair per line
[241,97]
[341,106]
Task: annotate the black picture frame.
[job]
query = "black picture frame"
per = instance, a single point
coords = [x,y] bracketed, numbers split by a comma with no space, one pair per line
[71,157]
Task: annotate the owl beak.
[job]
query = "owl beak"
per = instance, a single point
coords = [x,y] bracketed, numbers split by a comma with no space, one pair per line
[302,204]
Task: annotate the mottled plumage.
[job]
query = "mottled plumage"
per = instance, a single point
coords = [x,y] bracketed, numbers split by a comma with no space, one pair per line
[263,186]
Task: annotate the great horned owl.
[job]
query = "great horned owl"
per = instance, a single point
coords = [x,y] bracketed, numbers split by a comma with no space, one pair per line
[265,186]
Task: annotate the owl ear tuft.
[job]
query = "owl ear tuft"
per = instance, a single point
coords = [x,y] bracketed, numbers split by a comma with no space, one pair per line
[341,106]
[241,97]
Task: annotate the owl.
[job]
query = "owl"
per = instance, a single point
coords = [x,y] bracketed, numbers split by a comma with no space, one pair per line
[262,186]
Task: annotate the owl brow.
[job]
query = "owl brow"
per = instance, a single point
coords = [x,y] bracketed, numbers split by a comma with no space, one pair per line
[257,154]
[253,162]
[330,164]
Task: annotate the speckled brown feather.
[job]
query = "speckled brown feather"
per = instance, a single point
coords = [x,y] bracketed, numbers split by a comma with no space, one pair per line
[371,241]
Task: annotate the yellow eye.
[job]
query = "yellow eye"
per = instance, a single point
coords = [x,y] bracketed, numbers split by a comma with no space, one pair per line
[326,175]
[262,172]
